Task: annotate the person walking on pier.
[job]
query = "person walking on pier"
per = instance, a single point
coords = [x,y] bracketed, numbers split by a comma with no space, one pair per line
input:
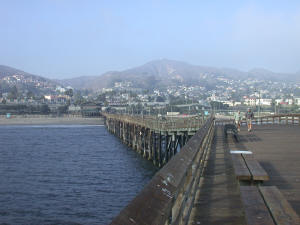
[237,119]
[249,117]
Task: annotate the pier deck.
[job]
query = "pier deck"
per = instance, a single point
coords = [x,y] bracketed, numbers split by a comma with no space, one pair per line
[277,148]
[218,199]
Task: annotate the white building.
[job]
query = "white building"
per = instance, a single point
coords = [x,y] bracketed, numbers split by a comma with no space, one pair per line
[49,97]
[250,101]
[264,101]
[60,89]
[289,101]
[257,101]
[297,101]
[278,101]
[231,103]
[74,108]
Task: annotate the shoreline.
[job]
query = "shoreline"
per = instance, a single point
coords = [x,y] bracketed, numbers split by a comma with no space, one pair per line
[28,120]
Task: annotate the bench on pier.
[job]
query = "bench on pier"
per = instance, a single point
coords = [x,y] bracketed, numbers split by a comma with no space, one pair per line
[247,168]
[265,205]
[231,128]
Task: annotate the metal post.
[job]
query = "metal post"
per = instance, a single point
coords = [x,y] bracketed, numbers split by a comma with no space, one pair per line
[258,103]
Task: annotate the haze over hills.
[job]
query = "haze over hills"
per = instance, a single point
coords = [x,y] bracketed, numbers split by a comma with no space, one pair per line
[160,73]
[10,77]
[154,74]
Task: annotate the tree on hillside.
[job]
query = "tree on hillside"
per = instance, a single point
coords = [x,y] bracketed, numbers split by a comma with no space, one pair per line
[297,91]
[111,93]
[150,99]
[146,91]
[160,99]
[68,102]
[78,99]
[13,94]
[30,95]
[132,94]
[69,92]
[102,97]
[41,97]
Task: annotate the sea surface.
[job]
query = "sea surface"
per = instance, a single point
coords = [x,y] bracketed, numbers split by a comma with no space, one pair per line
[66,175]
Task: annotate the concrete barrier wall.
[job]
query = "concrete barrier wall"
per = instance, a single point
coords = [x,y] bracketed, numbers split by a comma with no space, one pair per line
[168,198]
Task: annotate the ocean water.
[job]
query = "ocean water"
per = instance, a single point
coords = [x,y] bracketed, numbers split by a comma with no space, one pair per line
[66,175]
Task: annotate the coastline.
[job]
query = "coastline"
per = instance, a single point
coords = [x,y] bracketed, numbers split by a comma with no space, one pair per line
[47,120]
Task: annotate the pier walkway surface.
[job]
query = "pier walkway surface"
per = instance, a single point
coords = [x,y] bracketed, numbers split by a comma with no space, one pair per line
[276,148]
[218,199]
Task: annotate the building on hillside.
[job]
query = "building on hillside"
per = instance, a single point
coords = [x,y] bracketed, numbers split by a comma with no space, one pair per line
[53,99]
[231,103]
[278,101]
[90,110]
[49,97]
[264,102]
[289,101]
[250,101]
[297,100]
[258,101]
[74,108]
[60,89]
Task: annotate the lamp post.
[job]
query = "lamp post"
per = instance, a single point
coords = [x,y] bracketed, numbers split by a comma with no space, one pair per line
[258,111]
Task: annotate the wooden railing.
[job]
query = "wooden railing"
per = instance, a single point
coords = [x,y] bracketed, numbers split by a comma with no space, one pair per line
[277,119]
[169,197]
[269,119]
[160,123]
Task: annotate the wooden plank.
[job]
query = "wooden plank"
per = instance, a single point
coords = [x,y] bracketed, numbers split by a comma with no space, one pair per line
[281,210]
[257,172]
[277,150]
[218,199]
[256,210]
[240,168]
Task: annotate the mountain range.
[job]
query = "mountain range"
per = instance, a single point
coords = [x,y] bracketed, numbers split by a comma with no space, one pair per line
[155,74]
[162,73]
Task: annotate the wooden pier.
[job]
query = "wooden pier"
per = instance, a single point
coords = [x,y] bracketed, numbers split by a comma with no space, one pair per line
[206,184]
[155,138]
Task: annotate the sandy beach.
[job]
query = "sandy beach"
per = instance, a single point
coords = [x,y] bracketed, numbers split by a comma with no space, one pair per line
[47,120]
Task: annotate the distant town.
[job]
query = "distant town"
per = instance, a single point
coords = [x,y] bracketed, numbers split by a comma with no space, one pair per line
[124,97]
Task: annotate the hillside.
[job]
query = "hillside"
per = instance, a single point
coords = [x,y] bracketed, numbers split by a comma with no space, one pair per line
[154,74]
[159,73]
[10,77]
[162,73]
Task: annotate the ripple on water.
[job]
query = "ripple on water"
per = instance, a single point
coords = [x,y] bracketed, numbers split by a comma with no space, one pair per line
[66,175]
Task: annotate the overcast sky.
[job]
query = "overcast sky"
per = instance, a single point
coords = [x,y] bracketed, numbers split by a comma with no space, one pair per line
[68,38]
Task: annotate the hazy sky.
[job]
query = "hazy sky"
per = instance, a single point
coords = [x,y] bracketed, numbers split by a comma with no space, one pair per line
[67,38]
